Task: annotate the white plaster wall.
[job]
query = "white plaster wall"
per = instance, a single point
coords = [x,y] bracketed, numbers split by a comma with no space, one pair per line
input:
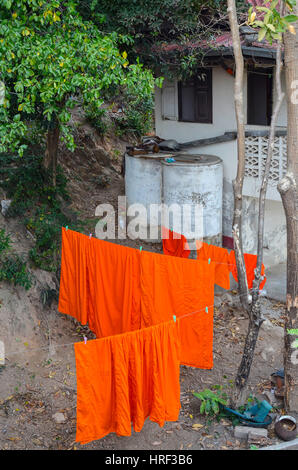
[224,120]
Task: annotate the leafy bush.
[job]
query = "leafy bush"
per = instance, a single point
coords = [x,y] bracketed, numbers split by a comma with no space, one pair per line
[211,401]
[13,269]
[38,204]
[4,241]
[45,223]
[26,182]
[137,116]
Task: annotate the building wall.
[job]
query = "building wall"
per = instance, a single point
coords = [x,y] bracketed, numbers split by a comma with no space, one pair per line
[224,119]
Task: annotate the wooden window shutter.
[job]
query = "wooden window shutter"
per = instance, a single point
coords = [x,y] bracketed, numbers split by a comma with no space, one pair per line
[195,98]
[204,96]
[169,101]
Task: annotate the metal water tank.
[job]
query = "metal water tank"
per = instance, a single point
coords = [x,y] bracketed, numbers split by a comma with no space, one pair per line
[196,180]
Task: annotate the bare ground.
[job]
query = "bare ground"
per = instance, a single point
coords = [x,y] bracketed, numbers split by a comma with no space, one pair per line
[39,377]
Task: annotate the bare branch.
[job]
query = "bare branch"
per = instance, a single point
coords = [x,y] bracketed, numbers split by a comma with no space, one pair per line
[238,182]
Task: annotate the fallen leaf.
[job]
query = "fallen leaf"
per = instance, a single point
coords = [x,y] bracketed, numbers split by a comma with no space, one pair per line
[197,426]
[39,410]
[225,423]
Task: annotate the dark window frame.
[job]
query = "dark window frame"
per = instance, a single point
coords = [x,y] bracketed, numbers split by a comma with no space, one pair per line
[198,88]
[253,118]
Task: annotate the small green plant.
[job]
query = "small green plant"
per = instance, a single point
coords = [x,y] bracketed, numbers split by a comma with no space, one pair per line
[211,401]
[13,269]
[4,241]
[295,333]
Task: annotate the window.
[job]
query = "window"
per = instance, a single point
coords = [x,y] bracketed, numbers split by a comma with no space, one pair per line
[259,96]
[195,98]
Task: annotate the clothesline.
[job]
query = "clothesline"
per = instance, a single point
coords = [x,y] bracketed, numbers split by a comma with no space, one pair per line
[71,344]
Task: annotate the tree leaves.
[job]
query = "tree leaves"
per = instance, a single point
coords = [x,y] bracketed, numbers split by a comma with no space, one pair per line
[273,24]
[48,54]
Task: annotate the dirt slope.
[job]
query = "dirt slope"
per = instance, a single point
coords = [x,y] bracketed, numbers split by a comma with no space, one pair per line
[38,380]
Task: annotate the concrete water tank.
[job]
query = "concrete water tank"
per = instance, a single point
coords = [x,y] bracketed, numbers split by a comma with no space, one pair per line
[150,180]
[143,186]
[196,180]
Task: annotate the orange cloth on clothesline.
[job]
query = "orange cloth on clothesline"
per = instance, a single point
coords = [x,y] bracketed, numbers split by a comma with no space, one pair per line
[250,265]
[114,292]
[219,256]
[99,284]
[122,289]
[174,244]
[74,288]
[176,286]
[124,379]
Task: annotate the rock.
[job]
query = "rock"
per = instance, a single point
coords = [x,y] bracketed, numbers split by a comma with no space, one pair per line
[257,433]
[270,328]
[156,443]
[59,418]
[243,432]
[267,352]
[217,301]
[230,300]
[5,203]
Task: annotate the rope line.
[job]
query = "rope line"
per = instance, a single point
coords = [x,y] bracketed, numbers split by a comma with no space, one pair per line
[71,344]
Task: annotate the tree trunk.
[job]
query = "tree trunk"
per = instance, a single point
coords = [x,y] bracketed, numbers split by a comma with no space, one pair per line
[238,182]
[289,194]
[50,157]
[255,322]
[250,303]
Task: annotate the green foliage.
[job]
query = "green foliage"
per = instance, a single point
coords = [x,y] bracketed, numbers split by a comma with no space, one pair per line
[97,119]
[154,24]
[4,241]
[13,269]
[294,331]
[270,23]
[211,401]
[137,116]
[38,204]
[45,223]
[51,60]
[26,182]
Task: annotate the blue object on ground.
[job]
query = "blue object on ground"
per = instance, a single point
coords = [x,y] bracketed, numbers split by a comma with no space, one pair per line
[279,373]
[258,412]
[255,416]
